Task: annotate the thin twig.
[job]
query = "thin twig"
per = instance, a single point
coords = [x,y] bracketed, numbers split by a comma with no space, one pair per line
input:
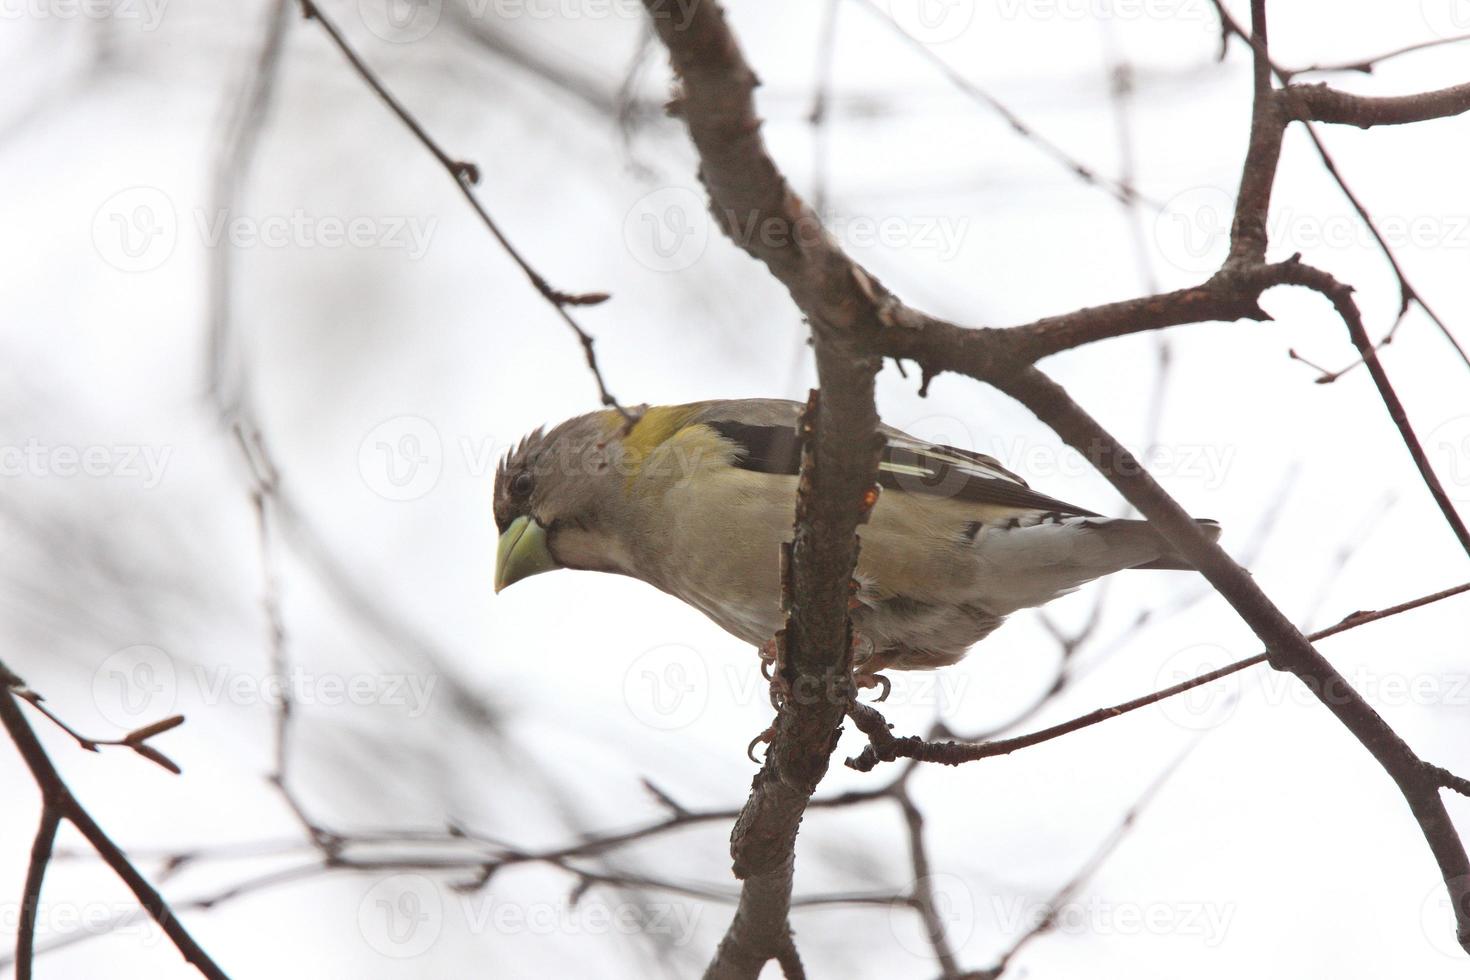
[56,795]
[466,175]
[1367,65]
[30,902]
[1116,188]
[884,747]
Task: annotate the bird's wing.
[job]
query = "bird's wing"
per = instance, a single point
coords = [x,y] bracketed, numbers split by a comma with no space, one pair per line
[765,437]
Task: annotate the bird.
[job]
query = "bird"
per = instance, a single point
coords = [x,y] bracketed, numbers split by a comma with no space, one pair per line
[696,500]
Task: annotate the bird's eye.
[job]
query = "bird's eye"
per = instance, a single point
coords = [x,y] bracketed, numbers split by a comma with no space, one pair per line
[520,486]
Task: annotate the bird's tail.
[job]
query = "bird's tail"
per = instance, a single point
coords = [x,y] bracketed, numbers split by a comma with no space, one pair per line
[1170,560]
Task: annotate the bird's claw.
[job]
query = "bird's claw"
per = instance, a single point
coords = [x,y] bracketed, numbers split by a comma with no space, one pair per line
[764,736]
[866,681]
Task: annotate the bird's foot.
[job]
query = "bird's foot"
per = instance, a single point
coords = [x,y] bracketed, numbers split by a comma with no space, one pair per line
[764,737]
[866,679]
[773,657]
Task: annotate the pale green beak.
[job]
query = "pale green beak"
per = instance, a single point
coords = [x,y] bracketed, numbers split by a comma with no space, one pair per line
[522,552]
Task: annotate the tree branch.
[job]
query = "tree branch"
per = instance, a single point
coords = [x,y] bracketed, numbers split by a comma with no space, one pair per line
[1323,103]
[466,175]
[852,315]
[885,747]
[57,797]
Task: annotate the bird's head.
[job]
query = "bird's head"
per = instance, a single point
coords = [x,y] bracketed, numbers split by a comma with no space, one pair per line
[587,493]
[561,497]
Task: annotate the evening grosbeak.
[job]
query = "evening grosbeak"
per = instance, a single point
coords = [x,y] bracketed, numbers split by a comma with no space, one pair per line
[697,499]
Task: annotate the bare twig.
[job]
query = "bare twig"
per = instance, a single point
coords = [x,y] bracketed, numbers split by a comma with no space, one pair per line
[1367,65]
[1119,189]
[30,902]
[885,747]
[1079,880]
[57,799]
[466,175]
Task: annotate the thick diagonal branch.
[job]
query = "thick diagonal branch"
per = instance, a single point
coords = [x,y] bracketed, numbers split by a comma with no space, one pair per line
[1287,648]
